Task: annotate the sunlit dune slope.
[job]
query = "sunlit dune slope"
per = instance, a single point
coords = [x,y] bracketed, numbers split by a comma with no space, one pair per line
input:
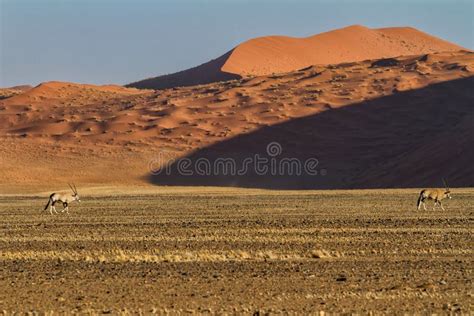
[378,123]
[276,54]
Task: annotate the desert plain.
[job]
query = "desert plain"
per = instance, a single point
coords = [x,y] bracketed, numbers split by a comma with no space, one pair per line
[233,251]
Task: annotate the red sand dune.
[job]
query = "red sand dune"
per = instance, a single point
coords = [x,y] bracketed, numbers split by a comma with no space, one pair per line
[394,122]
[277,54]
[12,91]
[24,87]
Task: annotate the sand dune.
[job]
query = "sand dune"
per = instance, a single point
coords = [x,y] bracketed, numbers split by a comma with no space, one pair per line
[11,91]
[277,54]
[112,134]
[406,139]
[23,88]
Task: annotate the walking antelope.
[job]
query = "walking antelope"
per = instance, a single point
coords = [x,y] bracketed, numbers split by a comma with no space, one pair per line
[63,198]
[434,194]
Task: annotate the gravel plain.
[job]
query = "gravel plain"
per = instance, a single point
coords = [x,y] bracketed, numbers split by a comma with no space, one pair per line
[237,251]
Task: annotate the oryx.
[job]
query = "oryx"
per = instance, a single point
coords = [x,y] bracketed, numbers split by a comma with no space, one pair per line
[65,199]
[434,194]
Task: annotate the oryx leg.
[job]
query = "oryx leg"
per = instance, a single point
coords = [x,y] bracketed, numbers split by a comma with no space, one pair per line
[65,207]
[424,204]
[54,207]
[441,206]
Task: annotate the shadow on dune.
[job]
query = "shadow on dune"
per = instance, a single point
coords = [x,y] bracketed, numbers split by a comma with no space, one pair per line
[408,139]
[206,73]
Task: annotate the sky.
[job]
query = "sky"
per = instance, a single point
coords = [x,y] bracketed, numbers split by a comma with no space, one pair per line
[121,41]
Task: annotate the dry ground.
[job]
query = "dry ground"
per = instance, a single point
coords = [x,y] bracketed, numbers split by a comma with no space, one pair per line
[233,250]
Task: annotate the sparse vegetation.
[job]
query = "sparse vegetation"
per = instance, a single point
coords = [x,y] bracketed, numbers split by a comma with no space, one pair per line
[236,251]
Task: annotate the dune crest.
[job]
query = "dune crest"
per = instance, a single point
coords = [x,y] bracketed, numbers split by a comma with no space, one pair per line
[277,54]
[55,86]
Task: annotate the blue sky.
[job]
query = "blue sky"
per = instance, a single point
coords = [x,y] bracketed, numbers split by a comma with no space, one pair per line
[120,41]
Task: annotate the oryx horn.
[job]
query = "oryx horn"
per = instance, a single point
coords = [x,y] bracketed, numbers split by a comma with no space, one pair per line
[445,184]
[73,188]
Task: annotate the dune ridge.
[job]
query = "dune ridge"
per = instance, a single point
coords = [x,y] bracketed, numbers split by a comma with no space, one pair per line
[277,54]
[12,91]
[110,135]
